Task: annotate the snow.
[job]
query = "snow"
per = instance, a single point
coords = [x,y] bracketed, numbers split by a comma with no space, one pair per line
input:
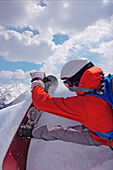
[9,92]
[10,118]
[59,155]
[52,155]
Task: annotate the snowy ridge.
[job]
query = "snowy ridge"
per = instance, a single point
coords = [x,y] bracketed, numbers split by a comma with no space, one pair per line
[9,92]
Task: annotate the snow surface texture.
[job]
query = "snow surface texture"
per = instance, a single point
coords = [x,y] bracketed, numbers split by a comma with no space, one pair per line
[52,155]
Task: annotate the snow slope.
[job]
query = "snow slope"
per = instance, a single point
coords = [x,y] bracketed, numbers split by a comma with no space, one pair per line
[52,155]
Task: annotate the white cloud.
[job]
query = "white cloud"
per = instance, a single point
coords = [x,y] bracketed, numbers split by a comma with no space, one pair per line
[67,16]
[85,44]
[107,1]
[87,23]
[92,39]
[59,16]
[105,49]
[14,13]
[18,75]
[24,47]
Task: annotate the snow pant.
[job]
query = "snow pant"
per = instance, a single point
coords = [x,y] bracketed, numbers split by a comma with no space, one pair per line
[76,134]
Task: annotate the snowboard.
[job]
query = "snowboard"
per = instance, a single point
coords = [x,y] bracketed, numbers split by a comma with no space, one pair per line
[16,156]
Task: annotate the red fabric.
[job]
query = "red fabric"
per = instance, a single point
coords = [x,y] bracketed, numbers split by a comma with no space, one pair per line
[93,112]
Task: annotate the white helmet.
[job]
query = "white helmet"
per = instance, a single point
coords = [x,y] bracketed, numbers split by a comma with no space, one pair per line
[72,67]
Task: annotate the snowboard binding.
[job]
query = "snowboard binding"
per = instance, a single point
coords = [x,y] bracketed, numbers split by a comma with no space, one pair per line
[25,131]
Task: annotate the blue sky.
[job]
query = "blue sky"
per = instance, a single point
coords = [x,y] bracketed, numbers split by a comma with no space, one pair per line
[43,35]
[21,30]
[13,66]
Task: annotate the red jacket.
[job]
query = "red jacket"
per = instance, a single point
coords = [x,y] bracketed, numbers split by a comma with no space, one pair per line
[91,111]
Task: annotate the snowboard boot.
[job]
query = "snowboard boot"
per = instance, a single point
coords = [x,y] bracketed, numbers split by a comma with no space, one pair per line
[25,131]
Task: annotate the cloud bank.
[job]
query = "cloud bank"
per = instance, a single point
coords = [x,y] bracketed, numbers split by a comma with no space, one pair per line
[88,24]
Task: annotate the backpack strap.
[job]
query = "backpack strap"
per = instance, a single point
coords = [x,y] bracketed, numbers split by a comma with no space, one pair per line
[108,136]
[111,147]
[87,90]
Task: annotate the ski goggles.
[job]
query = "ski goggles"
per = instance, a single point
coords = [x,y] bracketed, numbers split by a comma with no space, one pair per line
[68,83]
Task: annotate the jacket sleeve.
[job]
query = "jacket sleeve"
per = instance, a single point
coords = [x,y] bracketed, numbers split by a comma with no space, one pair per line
[69,107]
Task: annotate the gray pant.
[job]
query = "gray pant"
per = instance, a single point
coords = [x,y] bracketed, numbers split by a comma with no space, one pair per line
[76,134]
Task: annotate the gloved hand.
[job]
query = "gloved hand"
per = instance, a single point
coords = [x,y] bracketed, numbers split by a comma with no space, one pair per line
[37,79]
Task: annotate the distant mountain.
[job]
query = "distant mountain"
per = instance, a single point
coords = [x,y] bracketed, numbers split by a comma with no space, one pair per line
[11,94]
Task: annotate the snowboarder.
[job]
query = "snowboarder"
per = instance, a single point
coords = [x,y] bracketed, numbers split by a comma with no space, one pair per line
[92,112]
